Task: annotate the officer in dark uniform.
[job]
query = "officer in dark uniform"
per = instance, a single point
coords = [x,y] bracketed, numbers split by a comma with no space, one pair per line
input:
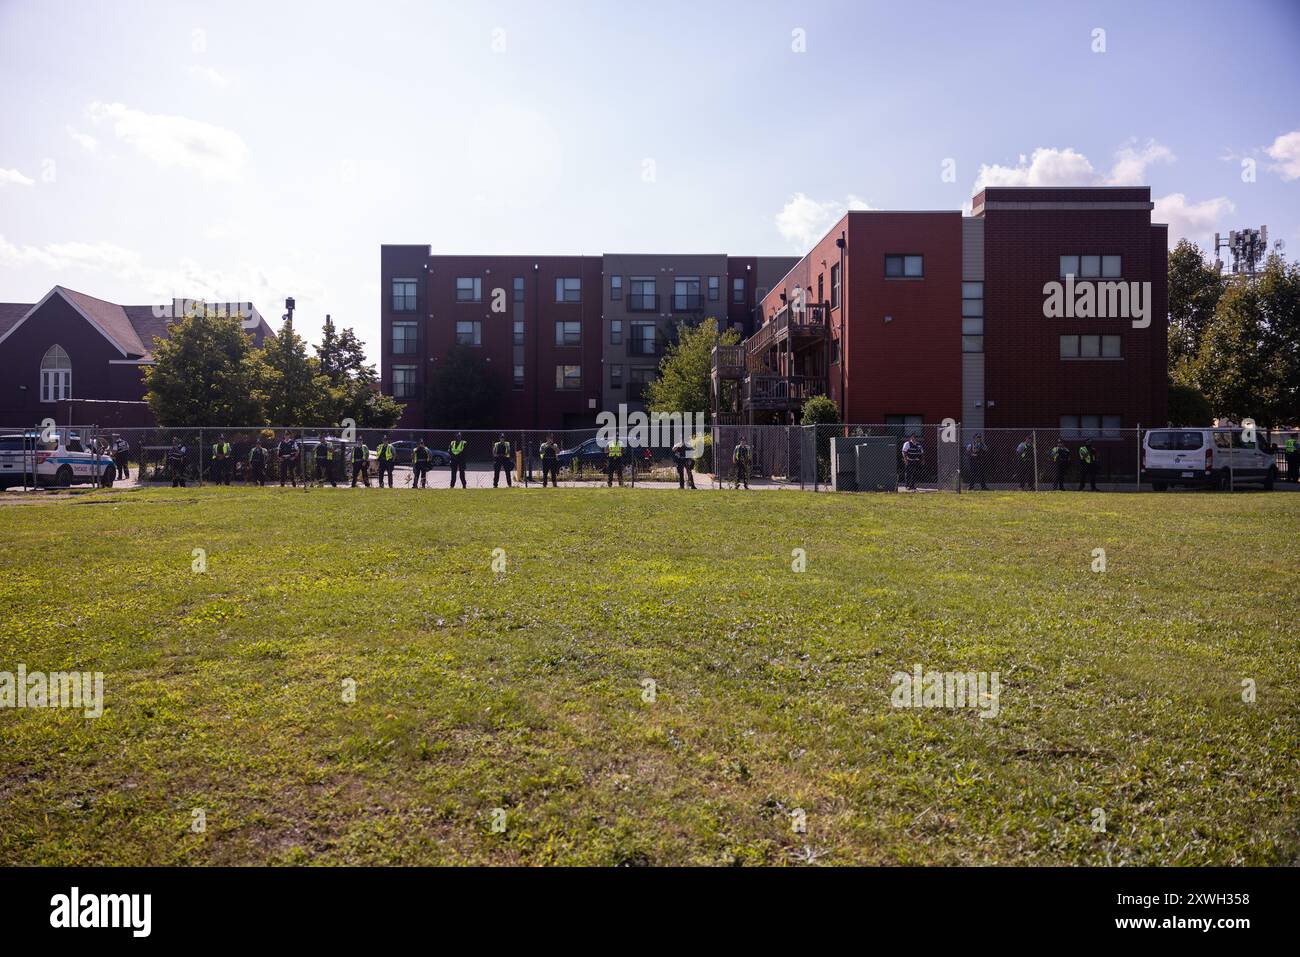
[324,458]
[287,453]
[1087,465]
[1292,458]
[500,460]
[685,464]
[1025,463]
[121,450]
[740,459]
[977,454]
[360,464]
[421,461]
[550,454]
[221,462]
[387,456]
[257,462]
[913,458]
[614,462]
[1060,455]
[457,450]
[176,458]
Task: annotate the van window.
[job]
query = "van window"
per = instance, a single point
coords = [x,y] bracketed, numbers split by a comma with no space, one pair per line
[1174,441]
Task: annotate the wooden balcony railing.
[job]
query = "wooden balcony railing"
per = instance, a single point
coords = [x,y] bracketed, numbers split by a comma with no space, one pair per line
[809,319]
[729,361]
[780,392]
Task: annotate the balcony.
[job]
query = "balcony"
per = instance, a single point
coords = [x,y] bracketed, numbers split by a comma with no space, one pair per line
[729,361]
[777,392]
[687,302]
[789,323]
[643,302]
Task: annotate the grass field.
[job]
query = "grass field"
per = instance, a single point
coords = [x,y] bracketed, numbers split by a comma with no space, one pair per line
[523,690]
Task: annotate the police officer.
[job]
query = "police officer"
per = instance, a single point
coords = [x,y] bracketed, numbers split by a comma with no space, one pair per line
[257,462]
[913,458]
[500,460]
[613,462]
[457,450]
[977,456]
[120,451]
[324,458]
[550,453]
[360,463]
[1025,463]
[1060,455]
[1087,465]
[387,458]
[221,463]
[1292,458]
[287,452]
[176,457]
[740,459]
[421,460]
[685,464]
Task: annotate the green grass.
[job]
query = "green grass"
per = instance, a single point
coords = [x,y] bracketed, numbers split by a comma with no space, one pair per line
[523,690]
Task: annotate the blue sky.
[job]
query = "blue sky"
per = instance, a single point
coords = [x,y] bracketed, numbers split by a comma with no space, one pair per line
[258,150]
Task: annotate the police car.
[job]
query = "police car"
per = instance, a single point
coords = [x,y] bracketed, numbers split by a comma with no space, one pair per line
[54,459]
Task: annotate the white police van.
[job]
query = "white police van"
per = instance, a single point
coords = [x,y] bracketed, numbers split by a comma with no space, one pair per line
[55,458]
[1221,458]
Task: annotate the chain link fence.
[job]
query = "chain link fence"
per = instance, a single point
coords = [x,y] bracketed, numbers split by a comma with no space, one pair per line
[840,457]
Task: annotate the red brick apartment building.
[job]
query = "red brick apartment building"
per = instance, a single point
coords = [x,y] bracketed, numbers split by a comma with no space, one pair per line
[900,317]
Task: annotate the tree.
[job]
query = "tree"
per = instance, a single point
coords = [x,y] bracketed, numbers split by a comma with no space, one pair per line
[820,410]
[686,371]
[297,393]
[1187,406]
[1194,290]
[1248,362]
[342,359]
[464,392]
[206,372]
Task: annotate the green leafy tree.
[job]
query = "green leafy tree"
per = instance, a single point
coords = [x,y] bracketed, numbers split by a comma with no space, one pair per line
[206,372]
[464,392]
[297,393]
[354,382]
[685,372]
[1187,406]
[1194,290]
[820,410]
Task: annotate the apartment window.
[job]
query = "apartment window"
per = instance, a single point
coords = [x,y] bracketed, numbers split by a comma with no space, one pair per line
[518,375]
[643,339]
[1092,267]
[616,332]
[404,338]
[738,290]
[469,333]
[404,295]
[568,333]
[821,290]
[835,287]
[403,382]
[972,317]
[1092,347]
[615,287]
[715,288]
[517,333]
[469,289]
[616,376]
[1091,426]
[686,294]
[519,289]
[56,375]
[568,377]
[643,297]
[835,351]
[904,267]
[568,289]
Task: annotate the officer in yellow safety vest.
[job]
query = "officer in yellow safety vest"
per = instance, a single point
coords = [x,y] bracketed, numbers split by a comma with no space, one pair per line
[387,456]
[457,450]
[550,454]
[221,461]
[1087,465]
[613,462]
[500,460]
[1292,459]
[360,464]
[324,457]
[740,458]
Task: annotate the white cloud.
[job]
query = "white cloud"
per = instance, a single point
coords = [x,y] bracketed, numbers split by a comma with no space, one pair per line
[1195,221]
[84,140]
[804,220]
[8,176]
[212,151]
[1049,166]
[1131,164]
[1286,150]
[213,76]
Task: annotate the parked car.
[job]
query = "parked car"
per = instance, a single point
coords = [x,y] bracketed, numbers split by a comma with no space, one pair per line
[404,449]
[1204,457]
[589,452]
[59,461]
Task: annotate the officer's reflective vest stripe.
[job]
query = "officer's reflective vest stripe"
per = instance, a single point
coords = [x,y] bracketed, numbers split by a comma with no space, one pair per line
[1290,445]
[1085,454]
[549,449]
[220,448]
[1059,452]
[324,452]
[385,451]
[741,453]
[360,453]
[421,454]
[1024,449]
[501,448]
[614,450]
[457,447]
[257,454]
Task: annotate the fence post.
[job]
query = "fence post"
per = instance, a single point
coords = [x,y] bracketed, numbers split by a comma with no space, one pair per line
[1137,477]
[1033,441]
